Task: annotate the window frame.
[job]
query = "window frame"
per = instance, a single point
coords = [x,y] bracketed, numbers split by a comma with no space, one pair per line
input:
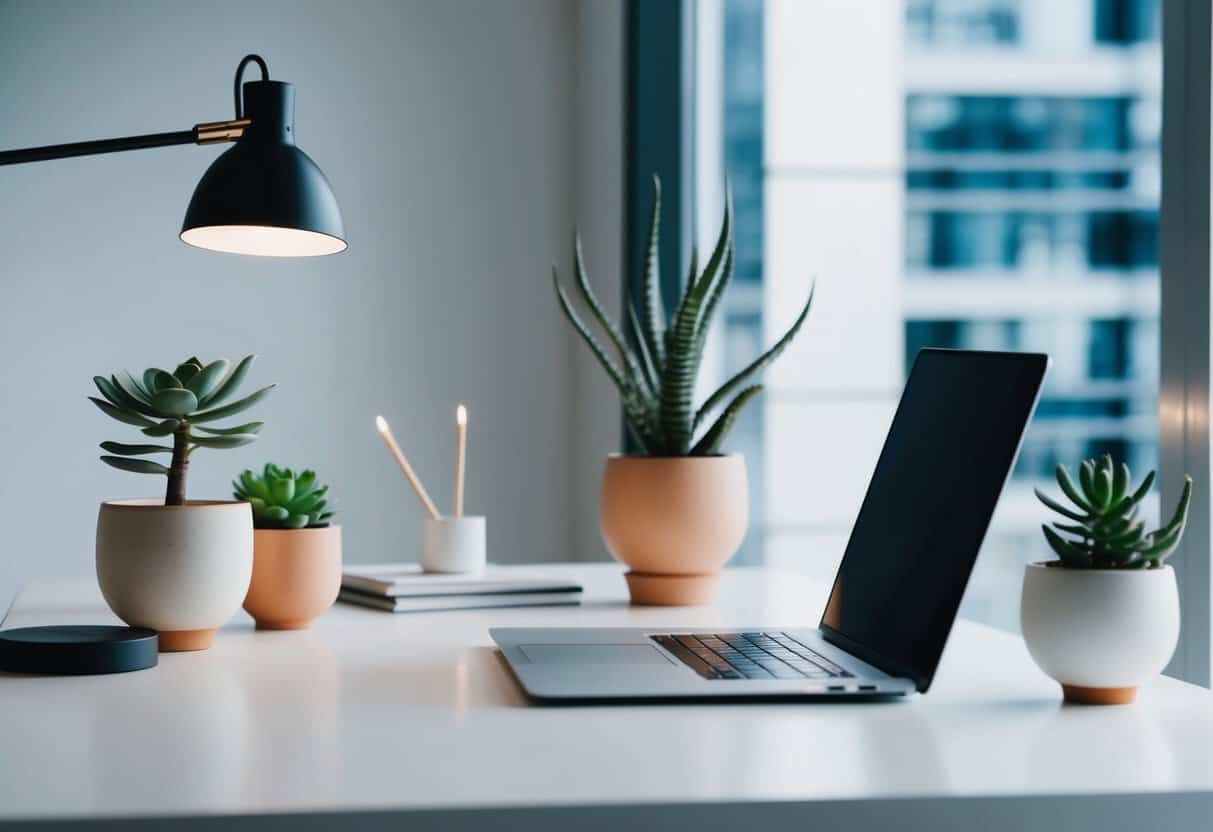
[660,126]
[1184,317]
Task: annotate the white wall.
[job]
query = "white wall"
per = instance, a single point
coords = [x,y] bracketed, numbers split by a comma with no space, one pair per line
[596,418]
[448,132]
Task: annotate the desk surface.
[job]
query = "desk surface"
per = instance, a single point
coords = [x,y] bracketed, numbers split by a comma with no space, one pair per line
[370,711]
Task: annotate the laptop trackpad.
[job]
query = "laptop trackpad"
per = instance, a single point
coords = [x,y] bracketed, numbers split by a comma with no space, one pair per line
[593,654]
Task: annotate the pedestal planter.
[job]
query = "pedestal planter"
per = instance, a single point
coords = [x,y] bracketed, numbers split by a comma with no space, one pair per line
[1100,632]
[674,521]
[179,570]
[296,576]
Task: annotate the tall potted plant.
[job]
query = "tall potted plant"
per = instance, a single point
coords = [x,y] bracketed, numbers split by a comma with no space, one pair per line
[177,566]
[677,510]
[296,547]
[1104,616]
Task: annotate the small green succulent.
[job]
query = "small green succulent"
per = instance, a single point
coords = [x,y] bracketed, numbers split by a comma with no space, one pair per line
[177,404]
[1105,532]
[660,355]
[282,499]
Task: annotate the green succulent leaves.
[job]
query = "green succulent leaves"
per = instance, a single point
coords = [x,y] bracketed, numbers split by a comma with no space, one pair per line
[164,404]
[283,500]
[654,361]
[174,401]
[135,466]
[1105,532]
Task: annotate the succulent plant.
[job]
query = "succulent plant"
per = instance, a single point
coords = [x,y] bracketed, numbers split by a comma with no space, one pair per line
[659,359]
[1104,532]
[282,499]
[181,404]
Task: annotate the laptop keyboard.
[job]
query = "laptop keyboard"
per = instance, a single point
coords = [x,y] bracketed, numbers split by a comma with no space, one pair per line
[749,656]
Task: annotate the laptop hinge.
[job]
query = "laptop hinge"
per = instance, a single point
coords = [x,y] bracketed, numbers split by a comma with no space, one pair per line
[870,656]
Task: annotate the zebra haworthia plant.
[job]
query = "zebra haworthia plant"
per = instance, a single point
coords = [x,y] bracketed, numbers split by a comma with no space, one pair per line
[658,361]
[1103,529]
[181,404]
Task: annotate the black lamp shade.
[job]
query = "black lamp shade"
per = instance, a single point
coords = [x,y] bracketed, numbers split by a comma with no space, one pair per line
[265,196]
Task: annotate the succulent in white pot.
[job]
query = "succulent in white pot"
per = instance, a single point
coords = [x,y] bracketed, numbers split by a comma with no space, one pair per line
[1104,617]
[177,566]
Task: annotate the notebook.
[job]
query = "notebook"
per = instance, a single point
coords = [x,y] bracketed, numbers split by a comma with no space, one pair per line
[395,580]
[459,602]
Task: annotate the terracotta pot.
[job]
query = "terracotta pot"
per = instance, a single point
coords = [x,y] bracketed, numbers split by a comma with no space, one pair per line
[296,576]
[1100,633]
[674,521]
[180,570]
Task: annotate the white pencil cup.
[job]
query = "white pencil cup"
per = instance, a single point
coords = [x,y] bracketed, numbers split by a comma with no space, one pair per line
[454,545]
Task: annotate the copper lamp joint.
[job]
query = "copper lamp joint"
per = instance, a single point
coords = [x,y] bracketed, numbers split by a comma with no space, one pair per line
[213,132]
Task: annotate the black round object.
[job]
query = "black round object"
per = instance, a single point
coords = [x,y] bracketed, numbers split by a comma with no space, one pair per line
[71,650]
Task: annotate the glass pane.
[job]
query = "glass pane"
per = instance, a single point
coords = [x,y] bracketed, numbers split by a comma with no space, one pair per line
[957,173]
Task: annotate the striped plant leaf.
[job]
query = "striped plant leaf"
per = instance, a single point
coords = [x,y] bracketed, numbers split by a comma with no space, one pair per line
[710,442]
[616,376]
[651,373]
[758,364]
[682,356]
[705,321]
[654,309]
[639,409]
[630,365]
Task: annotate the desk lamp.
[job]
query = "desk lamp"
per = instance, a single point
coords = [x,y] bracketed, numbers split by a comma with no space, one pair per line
[264,196]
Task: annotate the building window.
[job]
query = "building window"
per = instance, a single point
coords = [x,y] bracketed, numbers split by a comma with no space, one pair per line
[974,184]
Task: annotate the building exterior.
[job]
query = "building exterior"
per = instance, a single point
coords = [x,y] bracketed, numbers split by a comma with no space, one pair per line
[958,173]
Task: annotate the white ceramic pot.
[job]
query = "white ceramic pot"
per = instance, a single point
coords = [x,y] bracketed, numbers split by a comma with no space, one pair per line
[180,570]
[454,545]
[1100,632]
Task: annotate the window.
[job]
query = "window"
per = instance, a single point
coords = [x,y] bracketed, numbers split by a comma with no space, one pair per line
[958,173]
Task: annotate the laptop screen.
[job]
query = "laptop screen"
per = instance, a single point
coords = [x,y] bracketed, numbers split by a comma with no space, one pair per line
[947,456]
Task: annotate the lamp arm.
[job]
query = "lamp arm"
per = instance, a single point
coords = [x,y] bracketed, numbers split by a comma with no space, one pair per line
[209,132]
[205,133]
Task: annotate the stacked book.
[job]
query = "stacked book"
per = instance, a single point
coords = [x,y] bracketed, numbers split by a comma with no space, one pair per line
[405,588]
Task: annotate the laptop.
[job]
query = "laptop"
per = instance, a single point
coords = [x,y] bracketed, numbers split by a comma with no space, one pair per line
[948,454]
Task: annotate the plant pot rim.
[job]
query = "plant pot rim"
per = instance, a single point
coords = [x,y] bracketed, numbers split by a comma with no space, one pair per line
[1051,565]
[668,457]
[157,504]
[329,527]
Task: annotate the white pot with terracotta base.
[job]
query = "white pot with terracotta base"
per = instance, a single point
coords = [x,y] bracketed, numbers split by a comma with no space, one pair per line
[180,570]
[1100,632]
[296,576]
[674,521]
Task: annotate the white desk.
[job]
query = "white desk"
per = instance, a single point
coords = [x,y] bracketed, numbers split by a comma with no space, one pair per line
[415,717]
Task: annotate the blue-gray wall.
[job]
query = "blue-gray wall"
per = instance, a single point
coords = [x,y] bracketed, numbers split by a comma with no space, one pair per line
[448,132]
